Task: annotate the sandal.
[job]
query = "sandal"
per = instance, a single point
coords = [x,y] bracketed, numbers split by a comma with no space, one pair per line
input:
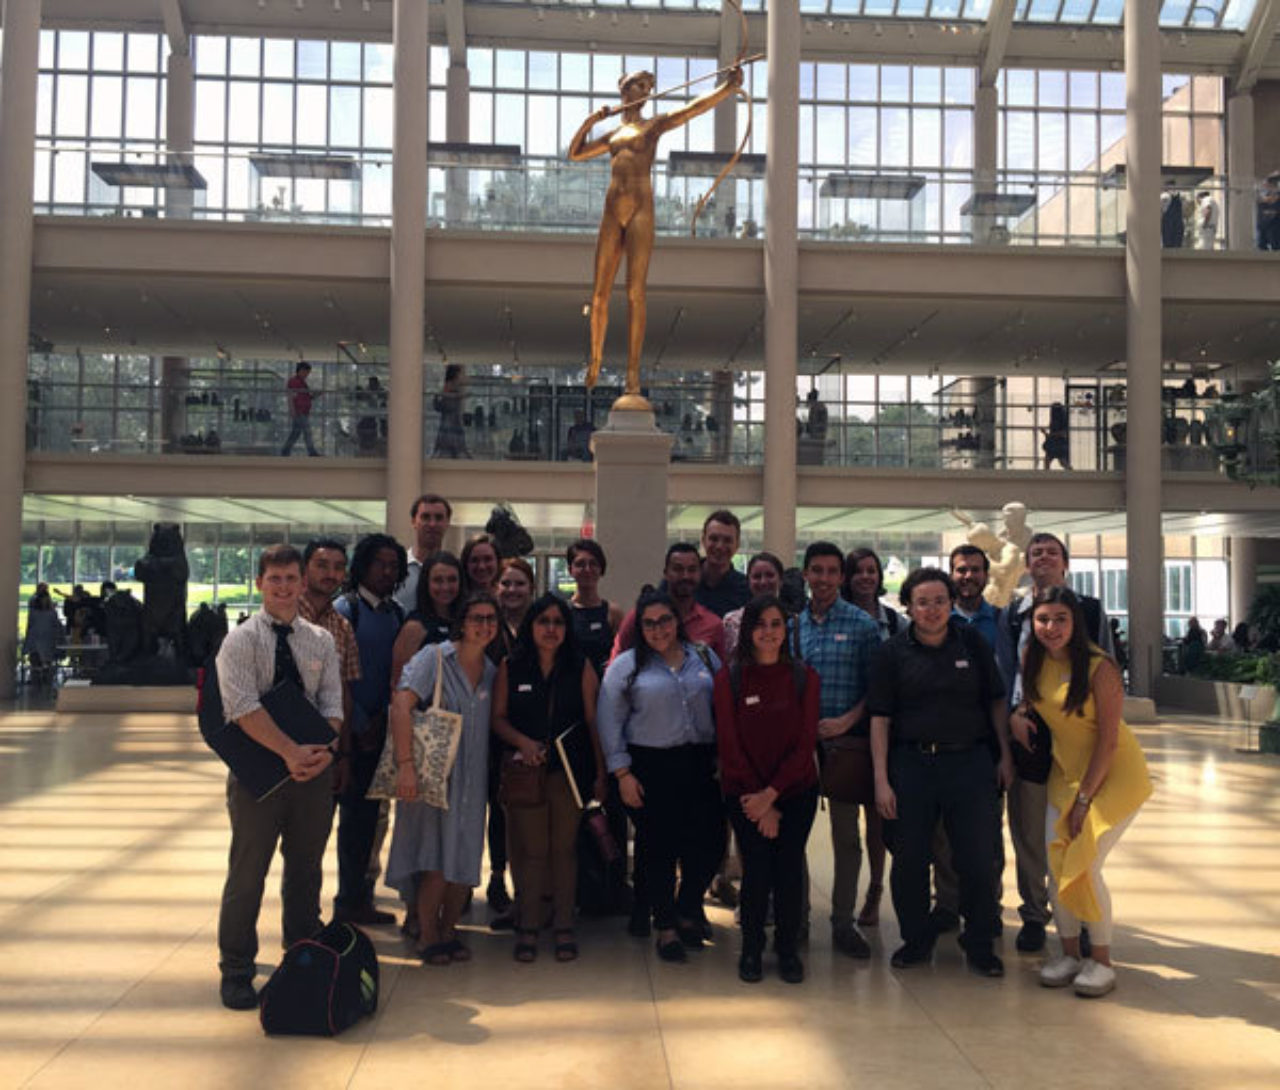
[870,914]
[526,948]
[566,946]
[436,953]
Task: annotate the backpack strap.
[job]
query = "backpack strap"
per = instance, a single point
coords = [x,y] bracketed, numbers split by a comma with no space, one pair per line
[704,653]
[352,598]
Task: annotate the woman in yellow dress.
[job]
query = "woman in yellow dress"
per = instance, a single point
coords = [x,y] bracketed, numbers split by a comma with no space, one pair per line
[627,226]
[1096,785]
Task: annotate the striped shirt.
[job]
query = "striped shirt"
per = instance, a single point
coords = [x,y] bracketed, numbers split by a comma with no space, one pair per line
[339,628]
[247,666]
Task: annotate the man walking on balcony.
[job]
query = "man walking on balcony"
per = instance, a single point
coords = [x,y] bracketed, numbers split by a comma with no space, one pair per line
[300,401]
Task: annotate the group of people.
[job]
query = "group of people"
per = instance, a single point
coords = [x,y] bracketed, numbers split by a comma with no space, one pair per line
[695,717]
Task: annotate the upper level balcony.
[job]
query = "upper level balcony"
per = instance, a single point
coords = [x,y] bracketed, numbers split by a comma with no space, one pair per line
[496,188]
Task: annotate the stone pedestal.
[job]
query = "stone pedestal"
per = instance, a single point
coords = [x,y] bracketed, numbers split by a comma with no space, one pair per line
[632,460]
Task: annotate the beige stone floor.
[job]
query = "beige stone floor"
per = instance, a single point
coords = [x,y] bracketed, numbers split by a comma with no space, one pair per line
[112,846]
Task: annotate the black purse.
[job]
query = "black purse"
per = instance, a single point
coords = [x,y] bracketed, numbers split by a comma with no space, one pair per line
[1033,764]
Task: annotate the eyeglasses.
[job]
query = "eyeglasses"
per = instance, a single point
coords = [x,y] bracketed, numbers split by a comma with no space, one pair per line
[482,618]
[652,624]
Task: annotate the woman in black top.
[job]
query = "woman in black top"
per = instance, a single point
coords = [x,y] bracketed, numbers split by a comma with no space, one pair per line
[439,591]
[544,688]
[595,620]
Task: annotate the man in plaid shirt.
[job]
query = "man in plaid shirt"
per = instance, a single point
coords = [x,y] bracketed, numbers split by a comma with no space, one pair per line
[838,639]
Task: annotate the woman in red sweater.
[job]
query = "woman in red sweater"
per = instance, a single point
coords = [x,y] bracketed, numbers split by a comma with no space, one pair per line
[767,730]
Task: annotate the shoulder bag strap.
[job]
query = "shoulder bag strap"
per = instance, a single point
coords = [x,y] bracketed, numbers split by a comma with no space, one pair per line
[435,700]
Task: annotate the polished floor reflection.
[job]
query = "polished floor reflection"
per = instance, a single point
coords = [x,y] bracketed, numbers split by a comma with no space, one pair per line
[113,841]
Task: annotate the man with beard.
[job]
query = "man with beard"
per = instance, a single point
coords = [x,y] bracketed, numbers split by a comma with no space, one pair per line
[681,572]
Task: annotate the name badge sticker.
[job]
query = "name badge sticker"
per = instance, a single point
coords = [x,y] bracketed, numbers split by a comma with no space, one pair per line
[596,626]
[962,664]
[751,700]
[840,637]
[524,688]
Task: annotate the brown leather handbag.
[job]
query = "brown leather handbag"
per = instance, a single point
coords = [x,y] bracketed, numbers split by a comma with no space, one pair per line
[845,772]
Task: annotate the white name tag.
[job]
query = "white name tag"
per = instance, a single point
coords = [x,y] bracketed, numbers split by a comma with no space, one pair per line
[596,626]
[752,700]
[962,664]
[524,688]
[841,637]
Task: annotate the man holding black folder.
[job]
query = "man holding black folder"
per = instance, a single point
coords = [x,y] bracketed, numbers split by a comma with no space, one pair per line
[275,646]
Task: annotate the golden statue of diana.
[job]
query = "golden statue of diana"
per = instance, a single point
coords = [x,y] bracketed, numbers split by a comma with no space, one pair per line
[627,225]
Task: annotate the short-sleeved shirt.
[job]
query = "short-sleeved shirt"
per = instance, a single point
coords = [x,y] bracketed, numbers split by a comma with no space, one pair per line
[935,694]
[984,620]
[299,396]
[339,628]
[700,626]
[839,647]
[247,666]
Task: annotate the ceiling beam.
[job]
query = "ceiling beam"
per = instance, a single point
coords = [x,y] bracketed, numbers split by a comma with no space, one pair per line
[994,41]
[455,26]
[1258,39]
[175,27]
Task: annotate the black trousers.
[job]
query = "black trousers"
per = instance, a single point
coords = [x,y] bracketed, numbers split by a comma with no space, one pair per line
[298,817]
[959,788]
[496,828]
[357,830]
[774,867]
[680,824]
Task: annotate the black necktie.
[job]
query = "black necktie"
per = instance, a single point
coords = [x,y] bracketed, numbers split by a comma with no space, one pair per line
[286,667]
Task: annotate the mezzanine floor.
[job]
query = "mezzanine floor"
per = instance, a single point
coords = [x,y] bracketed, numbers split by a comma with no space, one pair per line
[112,854]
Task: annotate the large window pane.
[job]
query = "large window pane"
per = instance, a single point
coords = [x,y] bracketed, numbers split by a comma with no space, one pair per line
[245,113]
[108,51]
[378,117]
[107,120]
[73,94]
[141,117]
[277,114]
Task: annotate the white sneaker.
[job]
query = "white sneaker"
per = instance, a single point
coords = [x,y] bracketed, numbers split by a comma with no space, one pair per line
[1095,979]
[1061,971]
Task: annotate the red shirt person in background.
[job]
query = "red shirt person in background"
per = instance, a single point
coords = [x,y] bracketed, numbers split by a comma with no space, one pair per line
[300,399]
[767,730]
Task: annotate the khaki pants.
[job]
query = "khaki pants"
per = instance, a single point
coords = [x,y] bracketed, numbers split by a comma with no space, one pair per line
[543,843]
[1027,803]
[846,848]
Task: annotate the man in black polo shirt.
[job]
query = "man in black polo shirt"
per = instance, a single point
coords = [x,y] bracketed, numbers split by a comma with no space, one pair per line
[934,700]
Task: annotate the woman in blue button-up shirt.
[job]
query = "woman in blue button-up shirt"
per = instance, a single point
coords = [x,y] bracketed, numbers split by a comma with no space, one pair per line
[659,740]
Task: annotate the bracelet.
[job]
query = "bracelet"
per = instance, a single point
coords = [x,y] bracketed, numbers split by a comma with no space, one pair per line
[622,774]
[1083,800]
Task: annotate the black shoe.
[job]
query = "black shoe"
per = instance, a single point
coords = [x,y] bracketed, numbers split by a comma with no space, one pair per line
[849,940]
[496,893]
[1086,944]
[997,927]
[639,926]
[672,950]
[1031,938]
[907,955]
[723,892]
[943,920]
[790,968]
[366,915]
[750,970]
[504,921]
[984,962]
[691,935]
[238,994]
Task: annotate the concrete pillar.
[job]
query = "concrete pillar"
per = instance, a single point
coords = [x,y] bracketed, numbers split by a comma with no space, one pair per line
[781,276]
[1240,210]
[986,155]
[726,118]
[408,263]
[1244,577]
[457,114]
[180,134]
[180,128]
[632,460]
[21,48]
[1143,299]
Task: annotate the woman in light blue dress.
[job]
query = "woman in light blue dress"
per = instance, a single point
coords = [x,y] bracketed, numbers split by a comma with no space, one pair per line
[435,854]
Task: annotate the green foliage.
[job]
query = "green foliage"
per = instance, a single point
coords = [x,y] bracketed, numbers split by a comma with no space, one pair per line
[1240,668]
[1264,615]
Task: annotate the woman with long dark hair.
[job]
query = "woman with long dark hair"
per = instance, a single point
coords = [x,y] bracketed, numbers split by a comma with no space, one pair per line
[764,576]
[659,740]
[435,854]
[480,563]
[864,587]
[438,596]
[546,690]
[766,730]
[1096,785]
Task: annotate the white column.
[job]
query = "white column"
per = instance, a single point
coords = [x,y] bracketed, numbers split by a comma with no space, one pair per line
[180,137]
[1244,577]
[1241,164]
[21,48]
[1143,300]
[408,262]
[457,114]
[632,463]
[781,280]
[986,154]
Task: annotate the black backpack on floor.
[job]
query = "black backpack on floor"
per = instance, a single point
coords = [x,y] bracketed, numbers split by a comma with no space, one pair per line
[323,984]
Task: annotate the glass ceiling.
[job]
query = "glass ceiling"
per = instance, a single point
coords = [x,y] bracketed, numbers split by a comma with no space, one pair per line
[1183,14]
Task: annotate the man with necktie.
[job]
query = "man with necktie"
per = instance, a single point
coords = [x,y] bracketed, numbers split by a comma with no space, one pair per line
[275,645]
